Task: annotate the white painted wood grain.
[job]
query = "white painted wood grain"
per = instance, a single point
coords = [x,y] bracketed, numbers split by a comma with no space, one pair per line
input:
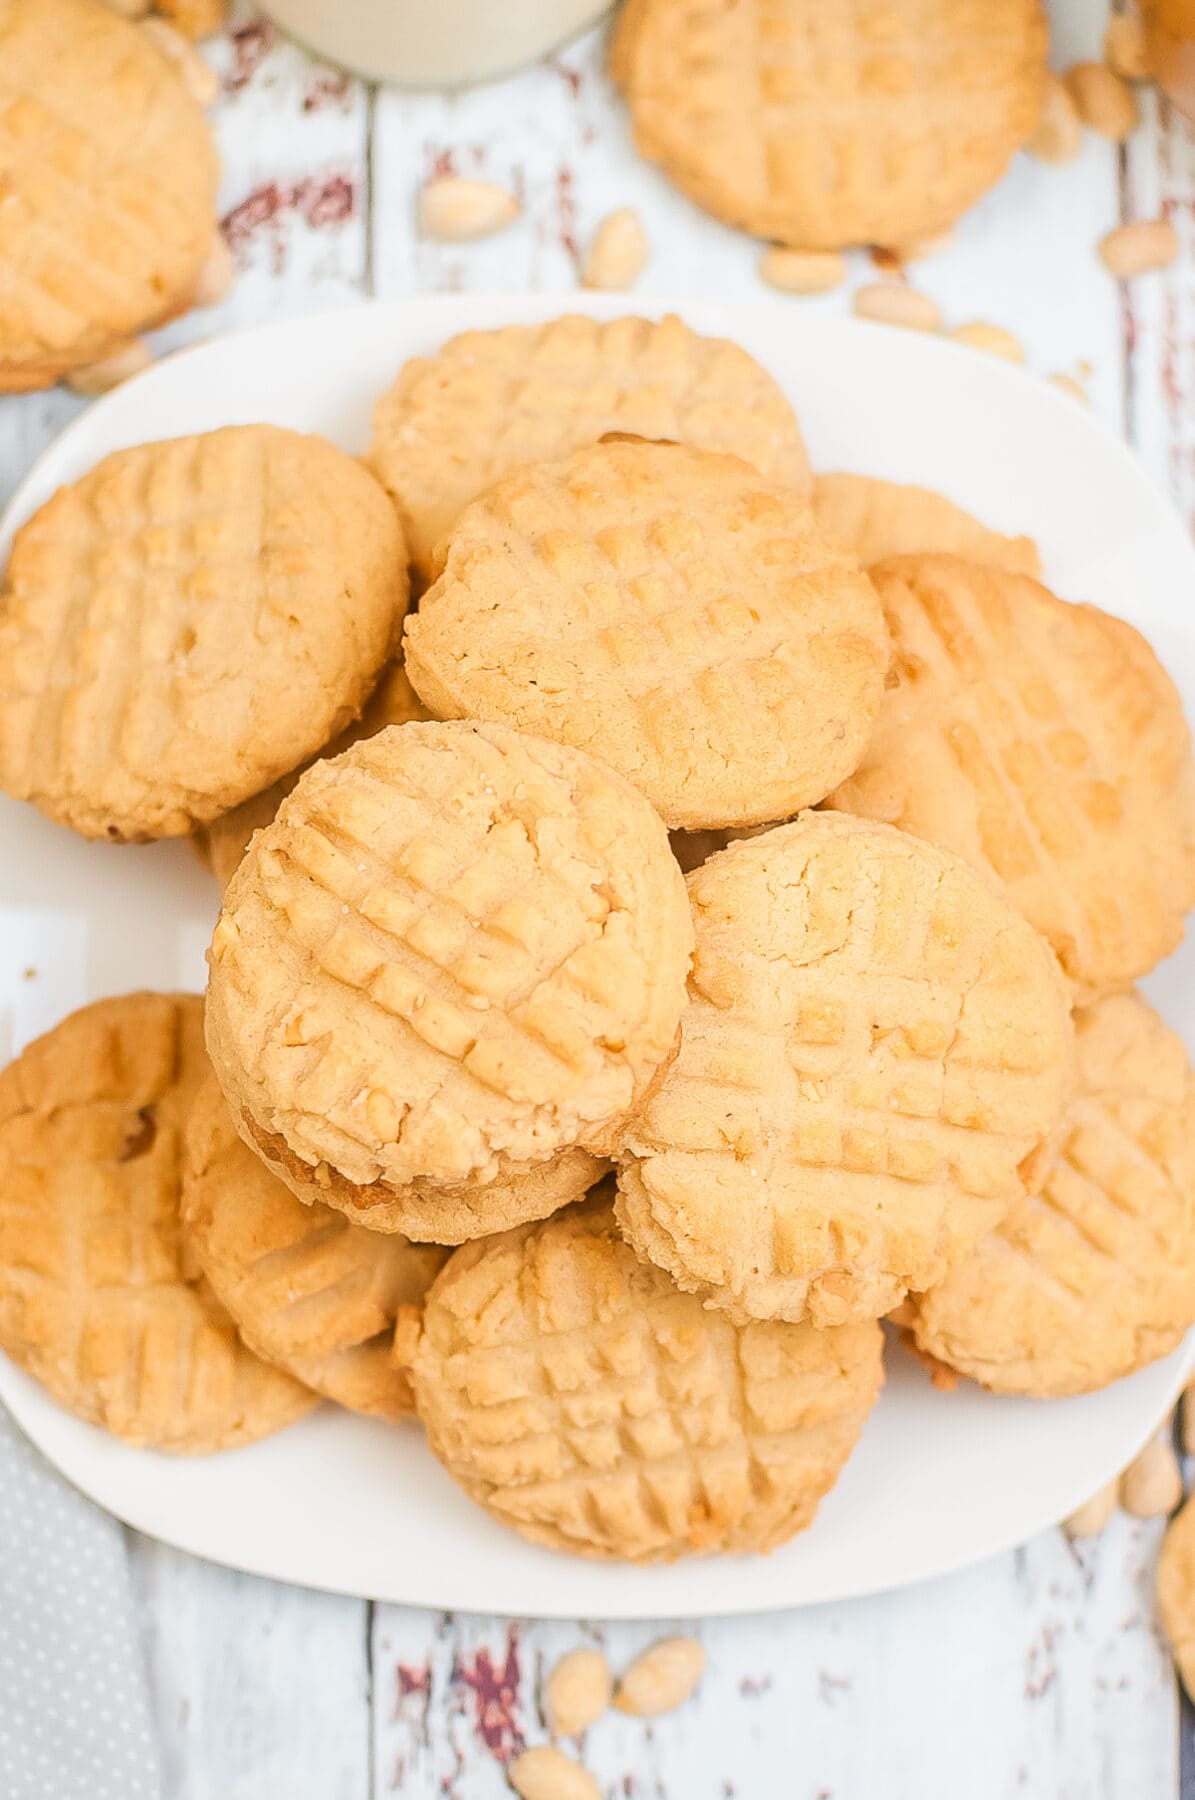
[260,1691]
[1037,1674]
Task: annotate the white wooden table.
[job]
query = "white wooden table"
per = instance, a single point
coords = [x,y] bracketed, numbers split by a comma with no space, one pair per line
[1040,1673]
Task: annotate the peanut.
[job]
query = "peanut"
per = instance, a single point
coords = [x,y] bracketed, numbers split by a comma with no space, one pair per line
[1066,384]
[454,210]
[101,377]
[199,80]
[546,1773]
[617,253]
[1187,1417]
[217,274]
[1058,134]
[662,1678]
[891,304]
[194,18]
[1126,48]
[1106,103]
[801,271]
[1139,248]
[1090,1519]
[1152,1485]
[979,335]
[577,1692]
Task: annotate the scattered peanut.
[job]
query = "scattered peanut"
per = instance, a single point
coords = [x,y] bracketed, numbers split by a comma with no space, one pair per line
[546,1773]
[454,210]
[1126,48]
[1058,134]
[1106,103]
[1139,248]
[101,377]
[891,304]
[194,18]
[979,335]
[217,274]
[1066,384]
[1090,1519]
[801,271]
[1152,1485]
[577,1692]
[200,80]
[662,1678]
[1187,1418]
[617,253]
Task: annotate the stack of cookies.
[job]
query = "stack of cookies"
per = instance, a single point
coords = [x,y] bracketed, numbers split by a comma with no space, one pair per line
[607,1171]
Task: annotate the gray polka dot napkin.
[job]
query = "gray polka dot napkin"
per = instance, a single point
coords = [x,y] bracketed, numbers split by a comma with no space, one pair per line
[75,1721]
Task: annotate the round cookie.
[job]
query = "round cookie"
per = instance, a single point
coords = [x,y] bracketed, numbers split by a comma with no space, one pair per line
[880,519]
[874,1041]
[188,622]
[1045,743]
[456,953]
[671,612]
[309,1292]
[487,402]
[108,173]
[97,1299]
[824,126]
[579,1397]
[1176,1591]
[1094,1275]
[224,842]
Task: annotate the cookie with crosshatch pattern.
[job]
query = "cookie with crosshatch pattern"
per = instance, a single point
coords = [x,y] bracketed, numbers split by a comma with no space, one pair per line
[881,519]
[108,174]
[823,126]
[580,1397]
[671,611]
[189,621]
[487,402]
[874,1042]
[98,1299]
[310,1292]
[1044,742]
[1092,1275]
[457,954]
[223,843]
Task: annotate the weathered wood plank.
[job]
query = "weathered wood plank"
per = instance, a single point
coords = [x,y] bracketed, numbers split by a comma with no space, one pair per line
[258,1689]
[1039,1673]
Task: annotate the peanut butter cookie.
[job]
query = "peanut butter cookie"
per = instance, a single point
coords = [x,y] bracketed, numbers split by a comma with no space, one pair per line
[489,401]
[97,1298]
[1045,743]
[670,611]
[583,1400]
[456,953]
[309,1291]
[879,519]
[874,1042]
[108,178]
[1093,1276]
[188,622]
[822,126]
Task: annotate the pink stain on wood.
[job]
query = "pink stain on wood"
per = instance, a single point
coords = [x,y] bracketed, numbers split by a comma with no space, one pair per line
[251,44]
[495,1689]
[413,1681]
[566,213]
[328,87]
[570,77]
[443,164]
[322,202]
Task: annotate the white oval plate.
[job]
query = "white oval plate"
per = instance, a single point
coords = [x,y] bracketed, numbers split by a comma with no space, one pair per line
[939,1480]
